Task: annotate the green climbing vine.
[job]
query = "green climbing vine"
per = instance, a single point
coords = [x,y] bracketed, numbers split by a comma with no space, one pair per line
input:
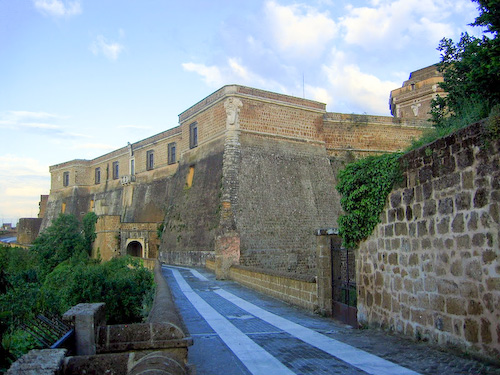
[364,186]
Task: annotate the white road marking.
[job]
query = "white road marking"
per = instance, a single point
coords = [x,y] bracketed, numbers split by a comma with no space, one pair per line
[195,273]
[198,275]
[255,358]
[356,357]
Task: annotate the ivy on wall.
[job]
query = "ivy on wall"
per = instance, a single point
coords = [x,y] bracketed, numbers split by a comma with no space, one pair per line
[364,186]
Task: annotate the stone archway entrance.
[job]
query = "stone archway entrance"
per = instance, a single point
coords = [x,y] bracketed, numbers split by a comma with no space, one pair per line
[134,248]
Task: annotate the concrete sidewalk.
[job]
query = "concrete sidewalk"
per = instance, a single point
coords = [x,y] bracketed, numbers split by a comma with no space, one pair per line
[239,331]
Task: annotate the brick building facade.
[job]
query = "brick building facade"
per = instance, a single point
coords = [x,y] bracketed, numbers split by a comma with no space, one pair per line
[413,99]
[243,163]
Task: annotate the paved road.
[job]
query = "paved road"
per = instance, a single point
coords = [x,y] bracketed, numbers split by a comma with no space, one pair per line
[239,331]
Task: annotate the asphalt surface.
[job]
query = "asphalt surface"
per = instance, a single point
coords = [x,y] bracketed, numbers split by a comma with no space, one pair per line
[239,331]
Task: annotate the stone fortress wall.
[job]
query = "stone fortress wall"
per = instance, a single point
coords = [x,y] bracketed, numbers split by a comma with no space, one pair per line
[258,169]
[254,178]
[430,268]
[122,189]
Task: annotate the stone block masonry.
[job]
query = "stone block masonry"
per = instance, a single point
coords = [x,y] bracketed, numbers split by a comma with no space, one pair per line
[295,289]
[431,268]
[245,178]
[27,230]
[286,192]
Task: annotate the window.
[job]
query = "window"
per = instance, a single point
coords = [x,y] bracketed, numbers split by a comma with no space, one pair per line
[66,179]
[98,175]
[193,135]
[132,167]
[150,160]
[171,153]
[116,170]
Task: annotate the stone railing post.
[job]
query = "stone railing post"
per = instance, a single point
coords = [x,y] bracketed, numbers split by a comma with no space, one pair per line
[324,269]
[86,318]
[39,362]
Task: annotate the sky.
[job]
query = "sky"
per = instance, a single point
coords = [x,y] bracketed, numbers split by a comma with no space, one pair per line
[80,78]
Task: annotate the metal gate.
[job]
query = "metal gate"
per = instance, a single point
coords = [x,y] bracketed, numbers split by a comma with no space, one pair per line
[344,297]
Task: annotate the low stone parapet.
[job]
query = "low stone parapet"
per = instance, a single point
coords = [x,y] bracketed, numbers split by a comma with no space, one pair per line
[210,265]
[39,362]
[144,336]
[297,289]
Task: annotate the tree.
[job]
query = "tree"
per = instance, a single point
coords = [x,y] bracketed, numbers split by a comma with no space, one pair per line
[471,71]
[59,242]
[89,221]
[57,273]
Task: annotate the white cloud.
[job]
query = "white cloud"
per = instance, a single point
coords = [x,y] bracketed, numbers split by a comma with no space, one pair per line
[239,70]
[22,181]
[211,74]
[32,115]
[23,192]
[96,146]
[139,127]
[37,123]
[299,30]
[58,8]
[111,50]
[21,166]
[353,88]
[232,72]
[320,94]
[399,24]
[29,120]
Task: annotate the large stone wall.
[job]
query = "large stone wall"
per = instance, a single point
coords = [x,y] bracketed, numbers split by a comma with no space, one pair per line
[431,268]
[252,190]
[286,192]
[27,230]
[193,212]
[364,135]
[261,184]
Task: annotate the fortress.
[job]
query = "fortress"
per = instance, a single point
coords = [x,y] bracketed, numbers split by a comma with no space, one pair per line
[246,178]
[245,186]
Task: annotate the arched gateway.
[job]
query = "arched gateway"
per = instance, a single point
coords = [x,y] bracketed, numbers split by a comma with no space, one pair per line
[134,248]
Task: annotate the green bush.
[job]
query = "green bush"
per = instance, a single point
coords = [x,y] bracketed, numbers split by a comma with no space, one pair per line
[121,283]
[57,273]
[59,242]
[364,186]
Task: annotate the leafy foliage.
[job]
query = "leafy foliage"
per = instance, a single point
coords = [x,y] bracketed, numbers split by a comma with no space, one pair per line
[89,235]
[121,283]
[57,273]
[59,242]
[471,70]
[364,186]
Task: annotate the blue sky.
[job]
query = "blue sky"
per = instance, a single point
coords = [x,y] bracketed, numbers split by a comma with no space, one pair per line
[79,78]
